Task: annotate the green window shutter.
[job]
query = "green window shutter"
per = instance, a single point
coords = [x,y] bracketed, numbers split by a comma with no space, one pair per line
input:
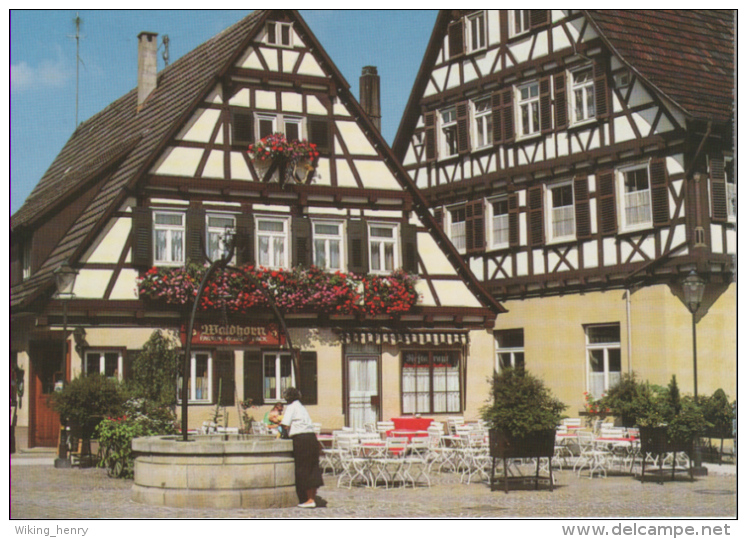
[308,380]
[357,246]
[224,378]
[253,377]
[142,237]
[196,246]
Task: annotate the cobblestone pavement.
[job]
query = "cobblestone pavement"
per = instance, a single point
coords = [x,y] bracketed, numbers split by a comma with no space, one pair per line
[38,490]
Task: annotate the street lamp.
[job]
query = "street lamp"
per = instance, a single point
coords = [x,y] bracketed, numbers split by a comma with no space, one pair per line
[693,287]
[64,277]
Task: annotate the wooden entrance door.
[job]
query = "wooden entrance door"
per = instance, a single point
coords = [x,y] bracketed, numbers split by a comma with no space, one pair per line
[45,370]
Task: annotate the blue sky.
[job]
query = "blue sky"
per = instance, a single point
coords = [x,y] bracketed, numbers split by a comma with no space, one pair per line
[43,70]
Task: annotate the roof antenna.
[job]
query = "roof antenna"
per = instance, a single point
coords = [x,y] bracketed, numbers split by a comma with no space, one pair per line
[77,21]
[165,53]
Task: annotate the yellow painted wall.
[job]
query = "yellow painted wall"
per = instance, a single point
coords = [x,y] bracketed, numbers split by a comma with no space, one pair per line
[661,339]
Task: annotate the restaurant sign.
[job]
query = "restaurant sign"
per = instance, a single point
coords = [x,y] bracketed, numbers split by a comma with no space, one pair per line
[234,334]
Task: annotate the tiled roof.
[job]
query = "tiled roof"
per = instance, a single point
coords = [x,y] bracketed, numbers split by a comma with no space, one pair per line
[121,128]
[688,55]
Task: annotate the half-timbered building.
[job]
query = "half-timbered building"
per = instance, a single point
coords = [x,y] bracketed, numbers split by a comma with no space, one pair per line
[582,163]
[156,178]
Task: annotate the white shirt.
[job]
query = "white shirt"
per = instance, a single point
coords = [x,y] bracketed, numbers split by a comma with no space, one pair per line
[297,418]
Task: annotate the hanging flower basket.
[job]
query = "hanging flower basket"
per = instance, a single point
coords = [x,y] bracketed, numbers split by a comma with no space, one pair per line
[295,158]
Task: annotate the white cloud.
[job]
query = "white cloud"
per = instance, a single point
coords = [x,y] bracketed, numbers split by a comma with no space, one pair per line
[48,74]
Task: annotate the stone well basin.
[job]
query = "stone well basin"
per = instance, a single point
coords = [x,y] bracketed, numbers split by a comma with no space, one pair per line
[219,471]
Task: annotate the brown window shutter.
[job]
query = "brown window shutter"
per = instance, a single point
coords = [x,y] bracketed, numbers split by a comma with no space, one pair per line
[545,105]
[456,38]
[301,242]
[430,136]
[462,118]
[16,264]
[606,209]
[196,248]
[245,239]
[438,215]
[561,102]
[224,380]
[600,88]
[253,377]
[513,220]
[535,217]
[308,382]
[319,134]
[718,189]
[583,214]
[242,127]
[410,248]
[659,191]
[539,17]
[503,116]
[142,237]
[357,247]
[475,226]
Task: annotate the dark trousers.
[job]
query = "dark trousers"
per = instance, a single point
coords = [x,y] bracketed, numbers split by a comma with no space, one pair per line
[306,457]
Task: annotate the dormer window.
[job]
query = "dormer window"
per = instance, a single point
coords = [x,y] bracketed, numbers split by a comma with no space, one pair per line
[280,33]
[290,126]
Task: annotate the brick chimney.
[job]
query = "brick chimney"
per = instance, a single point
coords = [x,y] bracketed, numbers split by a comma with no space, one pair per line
[370,95]
[147,65]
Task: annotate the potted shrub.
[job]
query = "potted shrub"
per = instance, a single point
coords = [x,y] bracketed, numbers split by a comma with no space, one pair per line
[624,398]
[522,418]
[85,401]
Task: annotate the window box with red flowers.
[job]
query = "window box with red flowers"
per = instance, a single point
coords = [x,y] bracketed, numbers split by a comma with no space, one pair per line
[295,159]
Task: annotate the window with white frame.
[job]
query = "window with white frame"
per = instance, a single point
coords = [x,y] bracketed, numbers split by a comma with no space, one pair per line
[509,350]
[582,93]
[518,21]
[272,242]
[26,259]
[266,125]
[278,375]
[280,33]
[458,228]
[483,122]
[448,132]
[528,109]
[562,216]
[200,383]
[635,191]
[290,126]
[168,238]
[731,189]
[219,226]
[106,362]
[499,223]
[603,356]
[430,381]
[475,28]
[328,245]
[383,247]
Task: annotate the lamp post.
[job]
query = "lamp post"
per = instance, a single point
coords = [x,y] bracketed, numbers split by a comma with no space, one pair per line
[693,287]
[64,277]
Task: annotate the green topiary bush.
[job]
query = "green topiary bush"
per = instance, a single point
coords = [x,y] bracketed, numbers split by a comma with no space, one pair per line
[87,399]
[521,404]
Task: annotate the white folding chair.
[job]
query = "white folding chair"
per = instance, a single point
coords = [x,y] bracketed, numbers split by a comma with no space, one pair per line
[418,459]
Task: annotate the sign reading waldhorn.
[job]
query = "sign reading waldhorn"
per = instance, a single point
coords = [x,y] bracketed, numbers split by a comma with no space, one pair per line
[234,334]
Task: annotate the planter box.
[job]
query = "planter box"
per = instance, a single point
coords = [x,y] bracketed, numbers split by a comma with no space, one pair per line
[654,442]
[535,445]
